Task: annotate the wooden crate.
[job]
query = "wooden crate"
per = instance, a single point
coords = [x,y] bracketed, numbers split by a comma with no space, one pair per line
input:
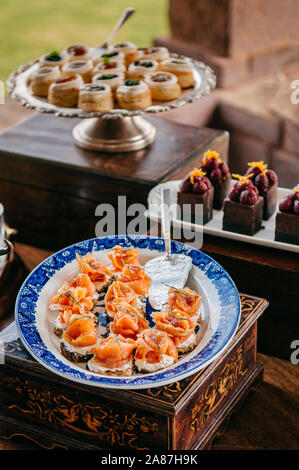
[183,415]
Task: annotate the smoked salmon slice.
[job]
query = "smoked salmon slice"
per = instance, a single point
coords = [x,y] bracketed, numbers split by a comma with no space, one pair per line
[116,293]
[114,352]
[128,321]
[178,325]
[97,271]
[152,344]
[184,300]
[135,277]
[74,298]
[120,256]
[81,333]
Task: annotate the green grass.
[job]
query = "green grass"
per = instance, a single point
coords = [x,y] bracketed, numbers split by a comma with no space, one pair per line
[30,28]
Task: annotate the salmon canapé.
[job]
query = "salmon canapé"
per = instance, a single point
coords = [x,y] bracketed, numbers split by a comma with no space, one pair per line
[81,333]
[78,339]
[135,277]
[65,317]
[155,350]
[119,292]
[113,355]
[184,300]
[128,321]
[97,271]
[120,256]
[179,326]
[74,298]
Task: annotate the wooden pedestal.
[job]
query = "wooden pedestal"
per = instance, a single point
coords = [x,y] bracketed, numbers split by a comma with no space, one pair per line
[50,188]
[184,415]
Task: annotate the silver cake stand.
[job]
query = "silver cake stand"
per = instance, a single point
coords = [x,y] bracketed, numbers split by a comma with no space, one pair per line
[118,130]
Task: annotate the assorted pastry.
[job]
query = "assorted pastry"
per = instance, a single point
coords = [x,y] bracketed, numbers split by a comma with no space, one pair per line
[196,191]
[243,209]
[266,181]
[118,291]
[287,219]
[137,77]
[252,199]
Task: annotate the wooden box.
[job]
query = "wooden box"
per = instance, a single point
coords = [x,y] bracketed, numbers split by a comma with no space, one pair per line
[183,415]
[50,188]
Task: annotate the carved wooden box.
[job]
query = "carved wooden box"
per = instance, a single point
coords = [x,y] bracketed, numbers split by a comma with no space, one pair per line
[183,415]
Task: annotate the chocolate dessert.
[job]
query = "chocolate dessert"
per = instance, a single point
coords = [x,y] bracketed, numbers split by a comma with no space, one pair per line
[243,209]
[287,219]
[218,173]
[195,189]
[266,182]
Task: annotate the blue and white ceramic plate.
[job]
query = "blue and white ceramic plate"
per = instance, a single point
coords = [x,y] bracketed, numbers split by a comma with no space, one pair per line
[220,311]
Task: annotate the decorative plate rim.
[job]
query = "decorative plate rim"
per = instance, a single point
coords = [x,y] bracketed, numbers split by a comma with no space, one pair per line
[36,280]
[207,84]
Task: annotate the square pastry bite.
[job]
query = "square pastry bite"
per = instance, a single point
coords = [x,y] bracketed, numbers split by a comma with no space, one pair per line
[266,181]
[287,219]
[195,189]
[243,209]
[218,173]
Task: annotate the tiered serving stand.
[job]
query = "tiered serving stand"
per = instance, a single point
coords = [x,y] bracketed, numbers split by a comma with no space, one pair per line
[118,130]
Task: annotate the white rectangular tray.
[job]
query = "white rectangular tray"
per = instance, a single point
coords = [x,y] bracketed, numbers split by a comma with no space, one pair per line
[264,237]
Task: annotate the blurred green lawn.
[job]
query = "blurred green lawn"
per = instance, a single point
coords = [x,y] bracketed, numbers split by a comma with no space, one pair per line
[30,28]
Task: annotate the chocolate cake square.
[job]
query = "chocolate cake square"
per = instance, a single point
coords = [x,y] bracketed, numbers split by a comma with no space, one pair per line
[192,199]
[287,228]
[242,218]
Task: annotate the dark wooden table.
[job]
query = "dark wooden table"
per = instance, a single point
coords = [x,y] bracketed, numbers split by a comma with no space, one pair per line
[269,416]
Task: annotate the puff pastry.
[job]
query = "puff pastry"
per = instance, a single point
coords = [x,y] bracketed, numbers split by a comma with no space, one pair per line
[154,53]
[128,49]
[163,85]
[41,79]
[53,58]
[140,68]
[111,55]
[182,69]
[112,79]
[109,66]
[79,67]
[65,91]
[134,94]
[93,97]
[77,52]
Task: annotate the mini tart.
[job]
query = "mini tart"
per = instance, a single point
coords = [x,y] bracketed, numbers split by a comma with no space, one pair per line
[140,68]
[154,53]
[134,94]
[94,97]
[41,79]
[111,55]
[114,80]
[163,85]
[128,49]
[182,69]
[64,92]
[80,67]
[77,52]
[53,58]
[113,66]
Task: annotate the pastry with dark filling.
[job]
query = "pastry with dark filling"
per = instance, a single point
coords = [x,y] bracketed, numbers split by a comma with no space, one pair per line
[243,209]
[195,189]
[182,69]
[287,219]
[84,68]
[93,97]
[140,68]
[41,80]
[266,182]
[114,80]
[53,58]
[218,173]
